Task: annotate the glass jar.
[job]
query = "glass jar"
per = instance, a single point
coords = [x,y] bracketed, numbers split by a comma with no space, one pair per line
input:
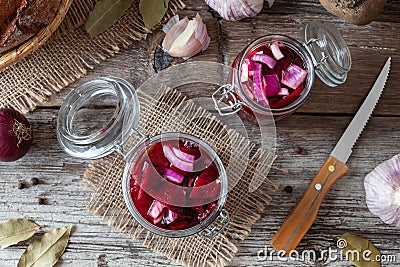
[79,135]
[323,52]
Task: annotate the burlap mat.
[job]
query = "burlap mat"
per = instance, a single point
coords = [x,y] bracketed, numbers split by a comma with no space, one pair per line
[68,55]
[170,113]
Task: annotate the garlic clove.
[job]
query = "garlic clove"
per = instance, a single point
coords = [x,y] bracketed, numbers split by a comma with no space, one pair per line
[187,39]
[382,187]
[174,33]
[237,9]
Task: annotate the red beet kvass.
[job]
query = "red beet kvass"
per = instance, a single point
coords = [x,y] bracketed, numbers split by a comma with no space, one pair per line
[175,184]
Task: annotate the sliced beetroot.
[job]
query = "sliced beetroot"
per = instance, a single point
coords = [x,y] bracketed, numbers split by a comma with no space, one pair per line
[156,156]
[177,162]
[276,51]
[209,191]
[150,178]
[190,179]
[169,193]
[293,76]
[183,155]
[183,224]
[190,147]
[264,59]
[173,176]
[207,211]
[206,177]
[272,85]
[282,65]
[289,99]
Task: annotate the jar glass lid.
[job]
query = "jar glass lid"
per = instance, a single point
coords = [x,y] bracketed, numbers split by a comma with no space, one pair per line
[329,51]
[82,132]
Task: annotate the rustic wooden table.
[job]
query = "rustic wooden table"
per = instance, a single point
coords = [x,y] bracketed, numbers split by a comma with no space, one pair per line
[316,127]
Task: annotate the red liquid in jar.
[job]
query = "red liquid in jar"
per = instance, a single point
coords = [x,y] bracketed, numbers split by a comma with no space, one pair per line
[280,80]
[175,197]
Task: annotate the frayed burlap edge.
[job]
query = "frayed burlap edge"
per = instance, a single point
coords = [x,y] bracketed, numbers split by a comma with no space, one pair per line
[69,55]
[164,115]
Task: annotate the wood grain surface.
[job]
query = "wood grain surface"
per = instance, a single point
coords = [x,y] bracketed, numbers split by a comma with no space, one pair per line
[316,128]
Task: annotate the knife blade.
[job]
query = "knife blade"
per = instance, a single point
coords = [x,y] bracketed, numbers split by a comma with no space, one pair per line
[304,213]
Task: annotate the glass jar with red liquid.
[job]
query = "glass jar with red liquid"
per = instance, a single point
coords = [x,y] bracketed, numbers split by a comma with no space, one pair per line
[275,73]
[174,184]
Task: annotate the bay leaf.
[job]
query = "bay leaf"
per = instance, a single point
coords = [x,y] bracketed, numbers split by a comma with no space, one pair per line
[47,250]
[152,11]
[360,251]
[16,230]
[105,14]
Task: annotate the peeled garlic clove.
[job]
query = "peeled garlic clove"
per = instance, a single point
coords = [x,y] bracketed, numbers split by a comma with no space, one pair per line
[382,187]
[237,9]
[187,38]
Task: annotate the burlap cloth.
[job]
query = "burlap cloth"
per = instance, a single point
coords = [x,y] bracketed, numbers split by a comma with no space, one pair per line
[68,55]
[170,111]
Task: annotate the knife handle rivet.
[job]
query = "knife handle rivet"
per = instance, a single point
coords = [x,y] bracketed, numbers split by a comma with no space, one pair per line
[331,168]
[318,187]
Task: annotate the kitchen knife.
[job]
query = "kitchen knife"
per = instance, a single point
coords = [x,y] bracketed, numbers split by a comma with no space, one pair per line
[304,213]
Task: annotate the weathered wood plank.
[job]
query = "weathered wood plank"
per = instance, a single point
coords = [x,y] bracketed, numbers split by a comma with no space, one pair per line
[316,128]
[343,210]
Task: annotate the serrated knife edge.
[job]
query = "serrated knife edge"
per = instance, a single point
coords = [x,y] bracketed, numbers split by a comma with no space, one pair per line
[343,148]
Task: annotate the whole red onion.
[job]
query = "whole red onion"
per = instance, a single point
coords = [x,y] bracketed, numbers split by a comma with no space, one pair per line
[15,135]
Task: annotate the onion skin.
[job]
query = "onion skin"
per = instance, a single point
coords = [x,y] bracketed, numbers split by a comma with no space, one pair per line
[13,147]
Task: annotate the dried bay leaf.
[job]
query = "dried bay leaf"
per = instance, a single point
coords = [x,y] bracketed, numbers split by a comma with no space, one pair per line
[16,230]
[105,14]
[46,251]
[360,251]
[153,11]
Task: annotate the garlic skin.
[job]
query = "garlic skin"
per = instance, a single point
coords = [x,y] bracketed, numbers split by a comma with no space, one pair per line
[382,187]
[187,38]
[237,9]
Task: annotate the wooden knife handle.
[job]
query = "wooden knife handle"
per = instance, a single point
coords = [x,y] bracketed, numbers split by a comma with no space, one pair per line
[304,213]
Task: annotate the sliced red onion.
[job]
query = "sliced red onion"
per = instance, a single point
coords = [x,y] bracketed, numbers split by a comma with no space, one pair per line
[173,176]
[276,51]
[183,155]
[170,216]
[247,89]
[272,85]
[250,64]
[258,85]
[283,92]
[293,76]
[156,209]
[244,76]
[179,163]
[265,59]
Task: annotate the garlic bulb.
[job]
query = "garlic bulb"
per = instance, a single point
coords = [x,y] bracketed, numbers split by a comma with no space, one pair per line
[187,38]
[382,187]
[237,9]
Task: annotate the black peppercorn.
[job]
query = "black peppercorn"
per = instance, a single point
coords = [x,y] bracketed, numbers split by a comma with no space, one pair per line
[21,185]
[34,181]
[288,189]
[41,201]
[298,150]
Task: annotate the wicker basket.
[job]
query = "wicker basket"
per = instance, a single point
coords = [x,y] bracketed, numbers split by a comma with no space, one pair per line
[33,43]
